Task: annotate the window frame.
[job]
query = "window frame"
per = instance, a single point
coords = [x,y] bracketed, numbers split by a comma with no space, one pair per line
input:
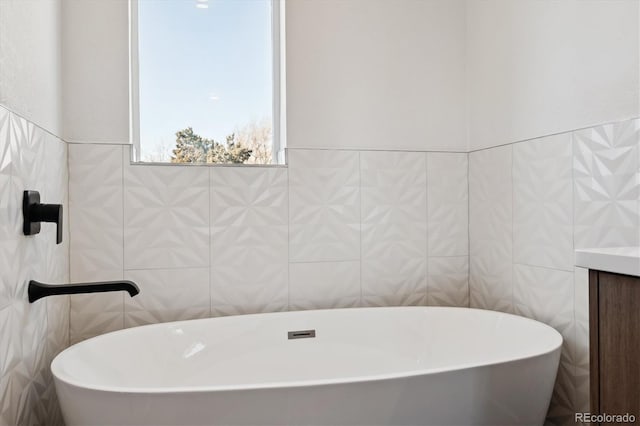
[278,116]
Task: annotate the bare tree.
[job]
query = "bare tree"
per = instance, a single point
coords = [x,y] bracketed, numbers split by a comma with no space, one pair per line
[256,136]
[159,154]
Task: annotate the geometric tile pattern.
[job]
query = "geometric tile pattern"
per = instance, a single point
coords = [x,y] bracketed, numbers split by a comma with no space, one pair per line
[542,202]
[448,281]
[96,223]
[323,285]
[166,216]
[607,185]
[324,205]
[394,228]
[30,334]
[448,201]
[167,295]
[344,228]
[249,246]
[335,228]
[490,228]
[578,189]
[547,295]
[581,356]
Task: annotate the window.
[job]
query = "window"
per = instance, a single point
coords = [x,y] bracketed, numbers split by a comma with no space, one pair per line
[205,81]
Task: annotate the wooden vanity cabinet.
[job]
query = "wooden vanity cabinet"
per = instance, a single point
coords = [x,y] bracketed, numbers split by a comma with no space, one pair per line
[614,334]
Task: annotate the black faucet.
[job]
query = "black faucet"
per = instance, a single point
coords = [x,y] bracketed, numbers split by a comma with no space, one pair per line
[39,290]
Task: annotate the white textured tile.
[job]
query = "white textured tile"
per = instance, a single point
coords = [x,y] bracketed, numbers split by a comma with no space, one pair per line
[607,185]
[98,313]
[321,285]
[28,167]
[97,240]
[57,324]
[581,283]
[30,333]
[249,240]
[167,295]
[96,210]
[542,200]
[394,228]
[490,228]
[448,204]
[448,281]
[8,234]
[324,205]
[166,216]
[547,295]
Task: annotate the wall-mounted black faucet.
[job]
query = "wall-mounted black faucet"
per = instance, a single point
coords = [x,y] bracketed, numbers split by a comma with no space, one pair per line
[33,213]
[39,290]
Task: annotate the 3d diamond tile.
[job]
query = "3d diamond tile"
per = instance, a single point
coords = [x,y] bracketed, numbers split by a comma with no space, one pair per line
[58,324]
[166,216]
[324,205]
[394,227]
[8,236]
[249,240]
[581,300]
[448,281]
[320,285]
[5,172]
[607,185]
[490,228]
[30,334]
[167,295]
[95,314]
[97,249]
[96,210]
[448,204]
[28,165]
[542,200]
[547,295]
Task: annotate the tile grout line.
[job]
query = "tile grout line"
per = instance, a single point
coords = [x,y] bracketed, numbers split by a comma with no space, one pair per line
[68,149]
[573,245]
[571,131]
[468,230]
[513,188]
[548,268]
[288,248]
[426,205]
[360,224]
[288,236]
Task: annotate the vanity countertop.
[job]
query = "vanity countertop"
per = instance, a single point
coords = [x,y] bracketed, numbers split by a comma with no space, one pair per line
[619,260]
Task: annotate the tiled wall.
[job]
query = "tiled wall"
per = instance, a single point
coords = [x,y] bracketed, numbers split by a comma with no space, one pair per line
[30,334]
[359,228]
[333,229]
[531,204]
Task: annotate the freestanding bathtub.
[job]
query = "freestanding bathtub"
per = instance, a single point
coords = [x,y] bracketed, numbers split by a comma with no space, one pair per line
[365,366]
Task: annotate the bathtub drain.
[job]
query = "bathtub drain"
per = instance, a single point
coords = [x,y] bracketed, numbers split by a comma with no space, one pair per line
[301,334]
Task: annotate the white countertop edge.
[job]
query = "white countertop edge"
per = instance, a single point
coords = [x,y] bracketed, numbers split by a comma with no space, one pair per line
[619,260]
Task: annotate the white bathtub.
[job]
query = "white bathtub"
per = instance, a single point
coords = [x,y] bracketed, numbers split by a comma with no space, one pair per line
[367,366]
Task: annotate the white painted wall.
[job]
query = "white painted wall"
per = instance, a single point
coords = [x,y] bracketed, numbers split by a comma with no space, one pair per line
[409,75]
[95,64]
[30,60]
[376,74]
[542,67]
